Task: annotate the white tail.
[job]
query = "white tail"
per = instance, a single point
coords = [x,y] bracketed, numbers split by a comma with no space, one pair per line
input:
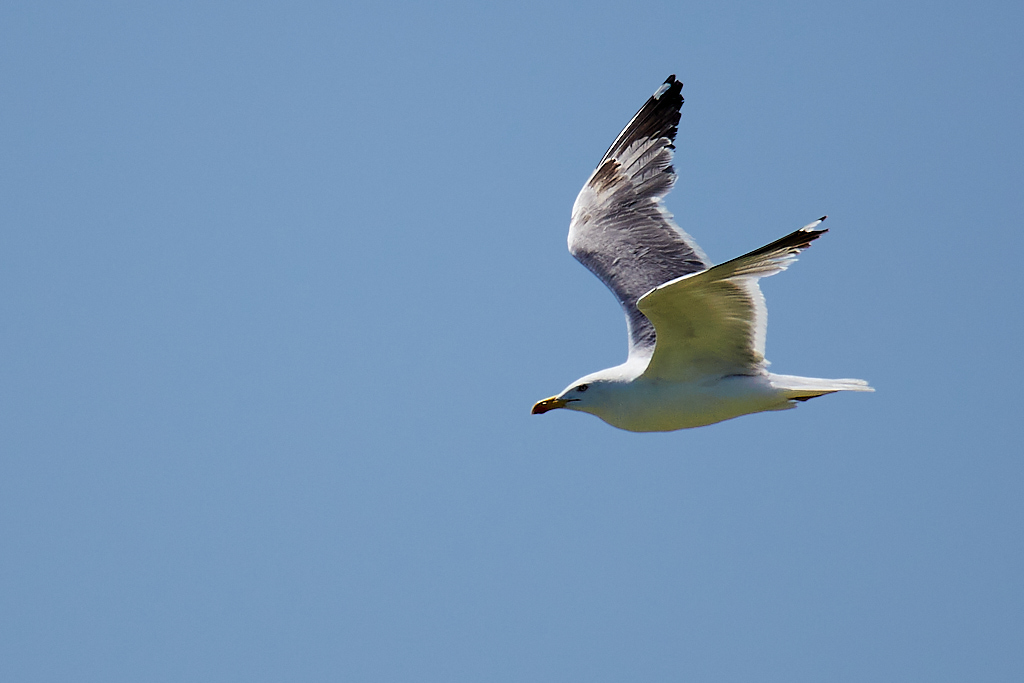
[804,388]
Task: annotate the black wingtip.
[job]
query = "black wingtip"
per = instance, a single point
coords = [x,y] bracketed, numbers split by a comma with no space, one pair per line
[670,86]
[823,218]
[658,118]
[671,80]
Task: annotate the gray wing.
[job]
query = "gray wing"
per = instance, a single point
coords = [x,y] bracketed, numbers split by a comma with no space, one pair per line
[620,229]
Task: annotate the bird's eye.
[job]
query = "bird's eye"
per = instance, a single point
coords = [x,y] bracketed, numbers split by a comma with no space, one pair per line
[583,387]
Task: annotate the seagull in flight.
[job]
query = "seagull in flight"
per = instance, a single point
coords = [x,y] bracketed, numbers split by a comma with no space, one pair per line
[696,331]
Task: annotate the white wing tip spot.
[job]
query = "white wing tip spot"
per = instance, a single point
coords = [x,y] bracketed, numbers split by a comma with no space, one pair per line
[661,91]
[812,226]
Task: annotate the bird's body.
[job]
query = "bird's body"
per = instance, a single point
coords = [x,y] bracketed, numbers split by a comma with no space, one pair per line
[696,331]
[640,404]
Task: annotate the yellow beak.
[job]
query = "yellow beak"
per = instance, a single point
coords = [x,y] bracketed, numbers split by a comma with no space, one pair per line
[541,407]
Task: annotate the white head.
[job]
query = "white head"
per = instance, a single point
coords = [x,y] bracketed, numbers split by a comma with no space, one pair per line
[592,394]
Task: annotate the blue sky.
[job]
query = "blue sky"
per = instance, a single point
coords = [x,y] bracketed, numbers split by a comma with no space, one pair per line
[281,281]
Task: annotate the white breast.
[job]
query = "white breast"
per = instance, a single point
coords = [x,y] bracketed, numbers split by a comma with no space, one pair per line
[652,406]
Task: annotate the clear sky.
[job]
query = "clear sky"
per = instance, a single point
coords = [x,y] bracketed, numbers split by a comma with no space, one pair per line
[279,283]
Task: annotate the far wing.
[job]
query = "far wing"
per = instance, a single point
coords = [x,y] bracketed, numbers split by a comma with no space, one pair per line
[620,229]
[713,323]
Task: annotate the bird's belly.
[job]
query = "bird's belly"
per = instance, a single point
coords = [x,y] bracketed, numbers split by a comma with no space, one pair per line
[664,406]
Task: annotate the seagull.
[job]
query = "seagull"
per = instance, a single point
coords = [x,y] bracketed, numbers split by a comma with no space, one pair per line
[696,331]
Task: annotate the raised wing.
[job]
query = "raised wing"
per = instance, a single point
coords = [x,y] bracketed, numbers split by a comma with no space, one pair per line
[620,229]
[713,323]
